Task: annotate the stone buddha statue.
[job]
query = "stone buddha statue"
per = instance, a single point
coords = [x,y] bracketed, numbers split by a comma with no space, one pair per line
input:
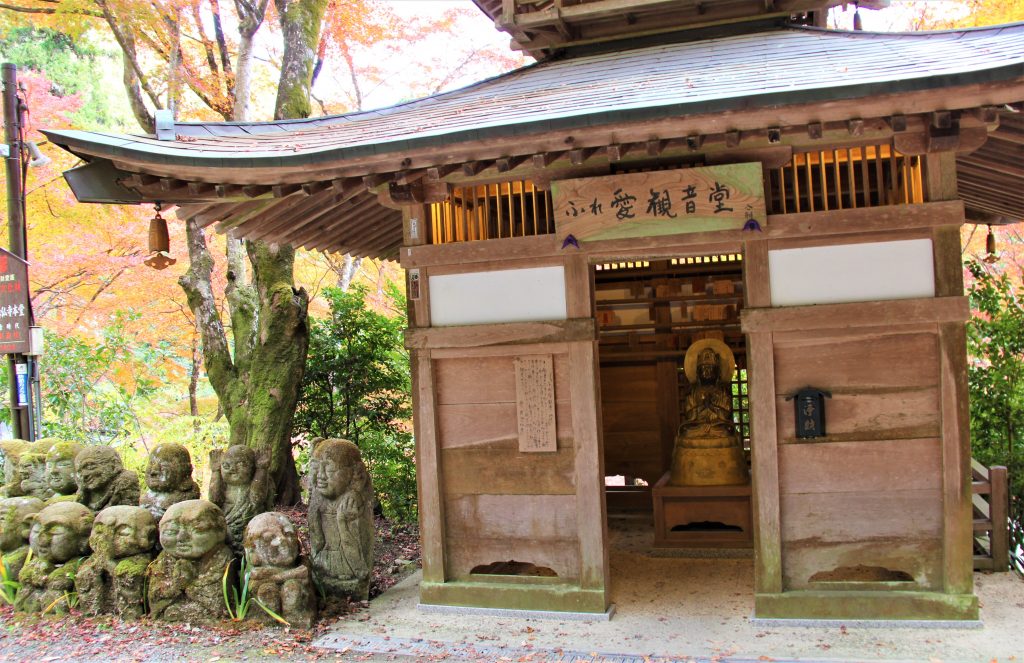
[15,525]
[102,479]
[240,485]
[185,579]
[708,451]
[341,519]
[113,579]
[32,468]
[11,451]
[280,577]
[60,470]
[59,539]
[168,479]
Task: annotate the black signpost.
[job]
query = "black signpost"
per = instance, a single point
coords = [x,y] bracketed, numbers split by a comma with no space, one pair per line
[15,309]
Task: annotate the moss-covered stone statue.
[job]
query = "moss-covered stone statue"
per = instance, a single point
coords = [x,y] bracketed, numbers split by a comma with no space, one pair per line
[341,519]
[240,486]
[11,451]
[279,578]
[32,467]
[14,530]
[185,579]
[113,579]
[59,539]
[60,470]
[168,479]
[103,481]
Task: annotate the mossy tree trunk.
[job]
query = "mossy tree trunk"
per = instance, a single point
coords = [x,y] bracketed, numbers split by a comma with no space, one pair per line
[258,385]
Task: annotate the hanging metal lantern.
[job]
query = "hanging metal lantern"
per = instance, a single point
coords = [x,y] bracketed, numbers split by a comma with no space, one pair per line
[990,247]
[159,243]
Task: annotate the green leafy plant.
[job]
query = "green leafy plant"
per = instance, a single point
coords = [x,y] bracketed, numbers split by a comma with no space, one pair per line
[238,599]
[9,585]
[995,374]
[69,598]
[357,386]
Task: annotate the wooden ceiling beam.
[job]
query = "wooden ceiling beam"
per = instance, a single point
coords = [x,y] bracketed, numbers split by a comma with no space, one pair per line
[472,168]
[345,188]
[274,206]
[272,224]
[283,230]
[579,156]
[325,228]
[200,188]
[284,190]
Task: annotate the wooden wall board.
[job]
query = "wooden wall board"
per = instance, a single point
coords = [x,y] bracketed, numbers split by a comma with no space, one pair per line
[550,518]
[850,467]
[502,334]
[467,380]
[632,383]
[463,554]
[500,468]
[848,517]
[921,559]
[474,424]
[628,416]
[862,314]
[895,361]
[869,414]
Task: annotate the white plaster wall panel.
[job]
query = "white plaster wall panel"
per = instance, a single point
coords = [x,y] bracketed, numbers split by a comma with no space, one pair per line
[507,295]
[852,273]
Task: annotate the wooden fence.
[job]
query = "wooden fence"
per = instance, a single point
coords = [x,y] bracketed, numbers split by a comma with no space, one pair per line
[991,526]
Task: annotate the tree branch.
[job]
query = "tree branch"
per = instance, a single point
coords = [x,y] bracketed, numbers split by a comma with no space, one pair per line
[197,284]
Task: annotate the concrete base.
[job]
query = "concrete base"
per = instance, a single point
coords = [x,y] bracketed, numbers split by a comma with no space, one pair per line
[869,623]
[518,614]
[515,594]
[854,605]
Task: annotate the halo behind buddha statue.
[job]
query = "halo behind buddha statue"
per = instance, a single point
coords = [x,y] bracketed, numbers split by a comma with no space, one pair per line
[708,451]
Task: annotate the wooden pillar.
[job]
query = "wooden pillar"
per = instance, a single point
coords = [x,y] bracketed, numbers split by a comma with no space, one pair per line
[585,395]
[428,467]
[957,535]
[763,428]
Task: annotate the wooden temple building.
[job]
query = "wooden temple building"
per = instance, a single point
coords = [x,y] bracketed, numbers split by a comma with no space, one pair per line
[668,173]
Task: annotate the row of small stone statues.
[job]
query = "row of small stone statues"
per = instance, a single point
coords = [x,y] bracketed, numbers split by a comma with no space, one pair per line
[82,526]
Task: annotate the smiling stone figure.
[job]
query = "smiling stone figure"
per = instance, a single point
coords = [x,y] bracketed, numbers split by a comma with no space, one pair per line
[280,578]
[60,470]
[60,540]
[168,479]
[240,486]
[103,481]
[113,578]
[14,530]
[341,519]
[185,580]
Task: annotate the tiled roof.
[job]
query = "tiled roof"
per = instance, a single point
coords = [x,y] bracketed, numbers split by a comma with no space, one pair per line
[764,69]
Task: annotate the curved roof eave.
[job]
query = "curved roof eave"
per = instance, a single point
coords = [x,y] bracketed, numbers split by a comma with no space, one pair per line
[767,70]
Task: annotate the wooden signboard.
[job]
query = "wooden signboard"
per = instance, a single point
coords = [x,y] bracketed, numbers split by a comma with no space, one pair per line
[14,322]
[661,202]
[535,403]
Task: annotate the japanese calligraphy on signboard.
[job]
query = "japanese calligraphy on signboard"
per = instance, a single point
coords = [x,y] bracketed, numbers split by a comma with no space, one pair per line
[14,331]
[662,202]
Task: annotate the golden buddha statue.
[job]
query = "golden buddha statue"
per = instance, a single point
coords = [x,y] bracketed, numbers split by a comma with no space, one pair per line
[708,450]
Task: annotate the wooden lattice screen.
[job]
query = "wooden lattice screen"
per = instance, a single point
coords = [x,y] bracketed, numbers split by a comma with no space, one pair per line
[492,211]
[821,181]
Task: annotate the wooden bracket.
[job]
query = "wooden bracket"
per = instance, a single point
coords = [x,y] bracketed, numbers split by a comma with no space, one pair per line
[694,142]
[732,138]
[397,196]
[283,190]
[814,130]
